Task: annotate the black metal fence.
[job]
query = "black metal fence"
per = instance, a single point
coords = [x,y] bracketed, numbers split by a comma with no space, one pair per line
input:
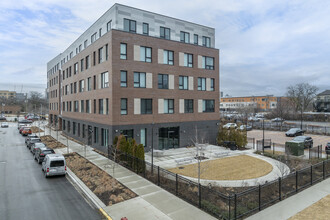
[218,204]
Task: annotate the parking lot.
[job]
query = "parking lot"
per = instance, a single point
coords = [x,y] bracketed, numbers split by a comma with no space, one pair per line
[280,138]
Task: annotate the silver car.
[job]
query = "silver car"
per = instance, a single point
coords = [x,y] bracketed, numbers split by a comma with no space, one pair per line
[53,165]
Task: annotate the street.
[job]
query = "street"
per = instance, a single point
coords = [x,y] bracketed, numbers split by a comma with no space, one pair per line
[24,191]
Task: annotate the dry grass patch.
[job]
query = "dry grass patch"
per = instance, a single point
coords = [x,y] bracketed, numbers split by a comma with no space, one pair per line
[104,186]
[276,152]
[51,142]
[35,129]
[229,168]
[319,210]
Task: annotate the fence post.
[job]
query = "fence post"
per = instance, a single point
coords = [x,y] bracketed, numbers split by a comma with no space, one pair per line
[229,201]
[158,182]
[199,196]
[296,181]
[309,153]
[273,148]
[176,184]
[235,210]
[137,165]
[259,197]
[254,144]
[280,188]
[323,164]
[318,151]
[311,174]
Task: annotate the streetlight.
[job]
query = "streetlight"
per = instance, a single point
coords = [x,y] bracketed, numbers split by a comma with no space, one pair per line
[152,147]
[263,135]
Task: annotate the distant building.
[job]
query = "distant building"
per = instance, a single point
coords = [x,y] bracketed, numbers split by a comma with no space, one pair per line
[262,103]
[7,94]
[322,102]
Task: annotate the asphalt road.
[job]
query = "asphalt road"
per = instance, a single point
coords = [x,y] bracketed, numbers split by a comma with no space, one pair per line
[26,194]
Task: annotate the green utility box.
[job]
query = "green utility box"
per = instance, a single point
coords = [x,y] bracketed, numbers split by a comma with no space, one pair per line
[295,148]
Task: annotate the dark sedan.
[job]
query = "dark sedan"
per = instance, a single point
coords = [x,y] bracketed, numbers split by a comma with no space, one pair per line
[41,153]
[294,132]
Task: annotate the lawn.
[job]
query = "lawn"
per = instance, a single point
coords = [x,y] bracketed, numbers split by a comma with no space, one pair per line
[229,168]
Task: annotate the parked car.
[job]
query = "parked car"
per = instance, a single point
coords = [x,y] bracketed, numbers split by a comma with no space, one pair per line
[2,118]
[294,132]
[245,128]
[40,153]
[4,125]
[26,131]
[32,141]
[253,119]
[54,164]
[36,145]
[22,128]
[327,148]
[306,139]
[25,121]
[277,120]
[230,125]
[30,136]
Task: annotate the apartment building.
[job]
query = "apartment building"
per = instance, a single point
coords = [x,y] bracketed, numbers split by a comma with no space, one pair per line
[262,103]
[144,75]
[322,102]
[7,94]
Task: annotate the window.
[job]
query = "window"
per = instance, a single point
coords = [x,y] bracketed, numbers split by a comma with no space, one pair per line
[196,39]
[188,106]
[183,82]
[80,47]
[76,106]
[145,27]
[106,106]
[208,63]
[201,84]
[74,128]
[206,41]
[85,44]
[94,106]
[94,82]
[96,134]
[143,135]
[123,106]
[104,80]
[145,54]
[93,37]
[89,83]
[188,60]
[81,85]
[162,81]
[81,65]
[146,106]
[129,25]
[168,106]
[212,84]
[75,87]
[139,80]
[66,89]
[87,62]
[109,26]
[184,37]
[208,105]
[106,52]
[88,110]
[82,105]
[165,33]
[101,55]
[100,32]
[104,136]
[123,51]
[123,78]
[75,70]
[71,54]
[83,131]
[101,106]
[94,58]
[168,57]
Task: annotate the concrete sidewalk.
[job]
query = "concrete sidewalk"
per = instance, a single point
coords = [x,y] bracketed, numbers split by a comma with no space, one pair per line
[152,202]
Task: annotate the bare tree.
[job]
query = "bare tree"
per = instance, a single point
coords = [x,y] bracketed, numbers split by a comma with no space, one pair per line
[301,95]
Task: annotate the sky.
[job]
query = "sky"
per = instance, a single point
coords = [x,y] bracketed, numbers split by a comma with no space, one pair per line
[265,46]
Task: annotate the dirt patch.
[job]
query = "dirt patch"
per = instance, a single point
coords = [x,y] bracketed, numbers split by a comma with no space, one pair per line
[229,168]
[35,129]
[51,142]
[105,187]
[319,210]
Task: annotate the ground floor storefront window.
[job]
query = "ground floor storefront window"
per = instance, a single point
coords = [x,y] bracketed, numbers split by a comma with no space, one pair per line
[168,138]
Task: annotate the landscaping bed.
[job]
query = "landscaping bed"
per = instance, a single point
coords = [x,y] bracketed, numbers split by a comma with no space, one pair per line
[51,142]
[35,129]
[105,187]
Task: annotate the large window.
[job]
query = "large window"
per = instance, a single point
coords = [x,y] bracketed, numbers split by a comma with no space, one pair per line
[104,137]
[75,70]
[188,60]
[101,55]
[206,41]
[81,85]
[145,27]
[188,106]
[146,106]
[208,63]
[96,135]
[123,106]
[89,84]
[196,39]
[76,106]
[88,110]
[145,54]
[85,44]
[123,78]
[183,82]
[101,106]
[212,84]
[87,62]
[143,136]
[94,106]
[168,106]
[104,80]
[82,106]
[73,128]
[208,105]
[75,87]
[109,26]
[81,65]
[168,57]
[93,37]
[129,25]
[162,81]
[165,33]
[139,80]
[184,37]
[201,84]
[123,51]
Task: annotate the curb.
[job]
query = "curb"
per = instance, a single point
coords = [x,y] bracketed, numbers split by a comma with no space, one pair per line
[88,193]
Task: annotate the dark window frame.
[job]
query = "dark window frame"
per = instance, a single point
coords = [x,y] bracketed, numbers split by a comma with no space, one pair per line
[188,106]
[185,37]
[123,106]
[145,29]
[123,82]
[146,106]
[137,80]
[162,81]
[123,56]
[131,25]
[165,33]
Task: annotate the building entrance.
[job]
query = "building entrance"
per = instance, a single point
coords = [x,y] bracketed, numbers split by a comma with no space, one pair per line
[168,138]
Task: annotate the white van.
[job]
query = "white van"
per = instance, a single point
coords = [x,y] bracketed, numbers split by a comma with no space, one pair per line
[53,165]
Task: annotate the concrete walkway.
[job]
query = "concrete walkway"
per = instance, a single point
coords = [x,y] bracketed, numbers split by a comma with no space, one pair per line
[291,206]
[152,202]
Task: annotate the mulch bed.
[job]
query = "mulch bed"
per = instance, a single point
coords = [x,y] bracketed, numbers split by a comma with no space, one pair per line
[36,129]
[104,186]
[51,142]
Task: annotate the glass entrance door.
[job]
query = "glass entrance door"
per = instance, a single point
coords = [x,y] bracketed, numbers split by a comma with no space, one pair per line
[168,138]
